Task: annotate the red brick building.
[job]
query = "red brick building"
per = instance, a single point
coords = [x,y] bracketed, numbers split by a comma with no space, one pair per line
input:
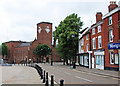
[105,40]
[97,38]
[112,36]
[20,51]
[12,45]
[85,48]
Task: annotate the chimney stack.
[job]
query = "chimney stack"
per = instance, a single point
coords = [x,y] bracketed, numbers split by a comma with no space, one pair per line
[98,16]
[112,6]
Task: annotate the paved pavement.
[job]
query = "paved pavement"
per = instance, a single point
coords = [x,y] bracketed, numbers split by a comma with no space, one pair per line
[80,75]
[19,75]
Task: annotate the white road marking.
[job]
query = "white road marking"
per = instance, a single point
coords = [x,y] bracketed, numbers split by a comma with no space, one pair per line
[83,79]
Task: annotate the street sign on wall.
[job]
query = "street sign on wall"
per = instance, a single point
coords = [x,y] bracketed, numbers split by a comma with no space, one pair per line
[114,46]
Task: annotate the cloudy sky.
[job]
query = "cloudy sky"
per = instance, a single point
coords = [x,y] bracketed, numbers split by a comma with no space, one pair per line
[18,18]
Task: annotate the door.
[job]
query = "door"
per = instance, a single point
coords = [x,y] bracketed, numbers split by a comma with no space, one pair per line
[100,62]
[92,62]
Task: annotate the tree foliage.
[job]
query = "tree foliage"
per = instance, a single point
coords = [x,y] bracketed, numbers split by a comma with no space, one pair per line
[3,50]
[68,46]
[42,50]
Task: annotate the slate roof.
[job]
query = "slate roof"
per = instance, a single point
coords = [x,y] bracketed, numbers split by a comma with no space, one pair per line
[24,44]
[44,22]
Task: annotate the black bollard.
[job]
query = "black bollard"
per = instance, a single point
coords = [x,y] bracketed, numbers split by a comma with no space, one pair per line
[41,73]
[46,84]
[44,77]
[52,80]
[61,82]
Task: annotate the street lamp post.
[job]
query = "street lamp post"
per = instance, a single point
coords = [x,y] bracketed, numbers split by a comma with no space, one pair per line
[74,66]
[51,56]
[26,60]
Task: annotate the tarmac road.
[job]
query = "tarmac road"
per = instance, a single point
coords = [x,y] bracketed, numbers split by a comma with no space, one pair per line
[72,76]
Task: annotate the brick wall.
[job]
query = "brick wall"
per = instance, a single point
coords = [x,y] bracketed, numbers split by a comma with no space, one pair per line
[11,46]
[116,33]
[21,53]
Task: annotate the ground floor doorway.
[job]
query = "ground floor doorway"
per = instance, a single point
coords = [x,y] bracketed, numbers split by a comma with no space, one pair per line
[99,62]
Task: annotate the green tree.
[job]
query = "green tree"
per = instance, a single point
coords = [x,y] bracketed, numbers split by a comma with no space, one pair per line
[42,50]
[69,26]
[4,50]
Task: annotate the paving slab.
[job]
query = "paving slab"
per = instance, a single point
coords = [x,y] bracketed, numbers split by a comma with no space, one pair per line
[20,75]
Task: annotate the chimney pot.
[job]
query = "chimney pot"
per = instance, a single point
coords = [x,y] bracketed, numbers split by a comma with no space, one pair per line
[112,5]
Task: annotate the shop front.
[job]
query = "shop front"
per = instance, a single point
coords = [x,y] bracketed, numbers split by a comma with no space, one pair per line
[85,59]
[115,54]
[99,59]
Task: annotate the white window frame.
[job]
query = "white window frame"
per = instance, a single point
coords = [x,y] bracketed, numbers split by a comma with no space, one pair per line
[93,31]
[110,20]
[99,41]
[110,35]
[99,28]
[111,58]
[94,47]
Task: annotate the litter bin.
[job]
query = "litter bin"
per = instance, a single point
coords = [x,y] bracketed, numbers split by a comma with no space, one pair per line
[71,67]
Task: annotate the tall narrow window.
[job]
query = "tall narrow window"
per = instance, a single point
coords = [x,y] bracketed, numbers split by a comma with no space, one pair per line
[99,42]
[87,37]
[111,58]
[87,47]
[110,20]
[99,29]
[111,36]
[94,43]
[93,31]
[116,59]
[82,42]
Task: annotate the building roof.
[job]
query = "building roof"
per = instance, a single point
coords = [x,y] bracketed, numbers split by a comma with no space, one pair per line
[44,22]
[24,44]
[83,32]
[97,24]
[111,12]
[16,41]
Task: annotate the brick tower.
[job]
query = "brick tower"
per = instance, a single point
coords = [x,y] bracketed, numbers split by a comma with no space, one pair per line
[44,33]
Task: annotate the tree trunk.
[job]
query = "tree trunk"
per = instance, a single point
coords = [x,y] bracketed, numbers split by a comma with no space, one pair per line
[64,61]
